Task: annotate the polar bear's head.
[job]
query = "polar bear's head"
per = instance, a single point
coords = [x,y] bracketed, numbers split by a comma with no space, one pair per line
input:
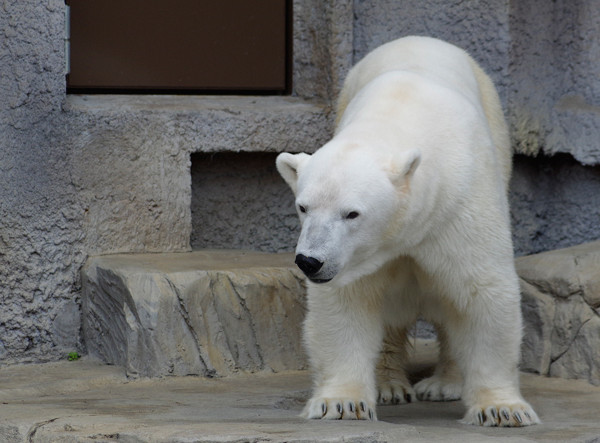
[350,205]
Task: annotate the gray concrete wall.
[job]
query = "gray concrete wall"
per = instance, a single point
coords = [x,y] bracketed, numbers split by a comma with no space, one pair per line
[481,27]
[41,220]
[555,203]
[82,176]
[554,104]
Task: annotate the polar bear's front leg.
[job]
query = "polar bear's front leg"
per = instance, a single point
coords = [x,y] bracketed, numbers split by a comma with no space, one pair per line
[486,343]
[343,334]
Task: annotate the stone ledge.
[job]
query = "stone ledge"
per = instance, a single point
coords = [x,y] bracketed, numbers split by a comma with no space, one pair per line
[187,103]
[210,313]
[561,308]
[212,123]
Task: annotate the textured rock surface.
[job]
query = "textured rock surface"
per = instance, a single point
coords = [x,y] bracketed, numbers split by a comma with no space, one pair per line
[561,307]
[208,313]
[41,236]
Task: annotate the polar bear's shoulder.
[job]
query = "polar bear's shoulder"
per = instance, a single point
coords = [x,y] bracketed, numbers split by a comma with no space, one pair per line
[440,62]
[428,57]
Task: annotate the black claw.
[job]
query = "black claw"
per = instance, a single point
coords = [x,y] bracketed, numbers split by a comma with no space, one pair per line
[480,418]
[408,398]
[494,413]
[370,414]
[339,408]
[324,408]
[363,407]
[518,417]
[527,415]
[505,415]
[351,407]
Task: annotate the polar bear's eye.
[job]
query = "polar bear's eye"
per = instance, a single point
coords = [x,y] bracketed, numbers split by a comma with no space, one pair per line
[302,209]
[351,215]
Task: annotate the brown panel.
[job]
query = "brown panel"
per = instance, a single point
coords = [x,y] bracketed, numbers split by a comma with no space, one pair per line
[178,44]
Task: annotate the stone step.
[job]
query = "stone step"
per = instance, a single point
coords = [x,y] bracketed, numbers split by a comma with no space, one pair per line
[215,313]
[210,313]
[561,309]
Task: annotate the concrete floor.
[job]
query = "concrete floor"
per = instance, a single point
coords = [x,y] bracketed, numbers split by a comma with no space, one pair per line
[86,401]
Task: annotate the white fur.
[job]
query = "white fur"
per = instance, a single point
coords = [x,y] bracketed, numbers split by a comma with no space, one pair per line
[421,153]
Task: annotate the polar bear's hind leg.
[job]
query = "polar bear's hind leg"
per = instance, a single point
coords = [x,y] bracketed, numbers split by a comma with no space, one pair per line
[392,381]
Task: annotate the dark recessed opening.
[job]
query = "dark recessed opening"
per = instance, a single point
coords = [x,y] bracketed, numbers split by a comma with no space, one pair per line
[239,201]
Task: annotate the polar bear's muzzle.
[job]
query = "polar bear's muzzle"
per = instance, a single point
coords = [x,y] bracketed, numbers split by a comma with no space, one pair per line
[310,266]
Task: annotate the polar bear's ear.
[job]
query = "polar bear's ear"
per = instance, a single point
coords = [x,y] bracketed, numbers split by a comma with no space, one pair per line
[289,165]
[404,167]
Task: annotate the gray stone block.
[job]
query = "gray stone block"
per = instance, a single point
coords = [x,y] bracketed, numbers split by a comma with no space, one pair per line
[561,308]
[210,313]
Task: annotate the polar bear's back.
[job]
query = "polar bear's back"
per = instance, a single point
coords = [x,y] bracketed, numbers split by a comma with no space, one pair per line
[445,64]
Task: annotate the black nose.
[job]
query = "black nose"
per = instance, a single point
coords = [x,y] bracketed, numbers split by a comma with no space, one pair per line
[308,265]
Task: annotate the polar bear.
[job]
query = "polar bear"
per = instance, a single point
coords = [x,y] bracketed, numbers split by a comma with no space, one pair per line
[404,213]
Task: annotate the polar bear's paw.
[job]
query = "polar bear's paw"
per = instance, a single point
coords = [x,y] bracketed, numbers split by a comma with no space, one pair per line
[513,415]
[438,388]
[339,409]
[394,392]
